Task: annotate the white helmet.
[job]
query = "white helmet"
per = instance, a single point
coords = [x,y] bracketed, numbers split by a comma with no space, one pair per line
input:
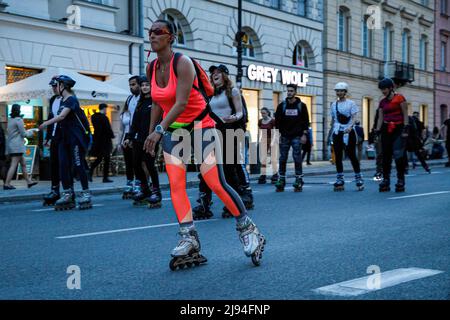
[341,86]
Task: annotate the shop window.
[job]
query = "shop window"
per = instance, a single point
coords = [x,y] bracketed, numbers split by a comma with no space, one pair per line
[276,100]
[368,115]
[14,74]
[89,110]
[94,76]
[252,100]
[424,114]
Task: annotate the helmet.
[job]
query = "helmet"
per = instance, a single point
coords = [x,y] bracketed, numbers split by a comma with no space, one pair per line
[142,79]
[341,86]
[66,80]
[386,83]
[53,82]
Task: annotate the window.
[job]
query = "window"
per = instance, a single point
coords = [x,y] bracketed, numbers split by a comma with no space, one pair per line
[444,7]
[367,38]
[388,42]
[424,2]
[248,50]
[104,2]
[252,100]
[14,74]
[368,115]
[424,114]
[301,10]
[423,52]
[276,100]
[406,46]
[344,29]
[444,113]
[180,39]
[300,57]
[275,4]
[443,56]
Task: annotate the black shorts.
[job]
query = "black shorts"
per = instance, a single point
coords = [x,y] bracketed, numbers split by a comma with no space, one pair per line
[16,154]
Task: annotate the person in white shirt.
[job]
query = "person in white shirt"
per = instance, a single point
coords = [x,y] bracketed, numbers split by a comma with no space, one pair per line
[126,118]
[51,142]
[342,114]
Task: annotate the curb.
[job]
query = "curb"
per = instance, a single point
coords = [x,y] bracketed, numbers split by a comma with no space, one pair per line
[189,184]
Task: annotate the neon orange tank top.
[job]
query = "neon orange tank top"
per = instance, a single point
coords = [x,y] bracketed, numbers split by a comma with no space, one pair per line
[166,98]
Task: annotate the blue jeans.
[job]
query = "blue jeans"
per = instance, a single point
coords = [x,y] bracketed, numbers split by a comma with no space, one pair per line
[285,146]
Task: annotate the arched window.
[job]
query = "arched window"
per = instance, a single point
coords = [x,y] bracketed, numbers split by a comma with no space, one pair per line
[251,47]
[303,55]
[344,29]
[406,46]
[248,49]
[180,39]
[367,35]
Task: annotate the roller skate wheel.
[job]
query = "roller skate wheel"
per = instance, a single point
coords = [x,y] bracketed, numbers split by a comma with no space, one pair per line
[256,259]
[172,265]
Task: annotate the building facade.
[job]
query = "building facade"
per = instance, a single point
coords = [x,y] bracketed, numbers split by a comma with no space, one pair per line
[366,40]
[442,67]
[282,35]
[98,38]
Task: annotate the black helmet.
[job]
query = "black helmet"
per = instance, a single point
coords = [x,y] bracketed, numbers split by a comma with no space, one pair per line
[67,81]
[53,82]
[142,79]
[386,83]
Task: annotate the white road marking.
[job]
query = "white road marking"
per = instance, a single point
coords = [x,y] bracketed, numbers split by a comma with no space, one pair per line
[53,209]
[387,279]
[419,195]
[125,230]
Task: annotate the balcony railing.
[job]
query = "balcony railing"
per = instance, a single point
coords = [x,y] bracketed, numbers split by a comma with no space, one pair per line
[400,72]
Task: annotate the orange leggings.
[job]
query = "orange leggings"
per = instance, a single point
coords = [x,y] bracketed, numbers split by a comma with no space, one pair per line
[212,174]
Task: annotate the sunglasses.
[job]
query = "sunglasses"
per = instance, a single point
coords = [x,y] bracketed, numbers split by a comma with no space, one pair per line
[158,32]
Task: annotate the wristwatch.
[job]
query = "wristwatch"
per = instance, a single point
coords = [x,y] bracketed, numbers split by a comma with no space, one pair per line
[159,129]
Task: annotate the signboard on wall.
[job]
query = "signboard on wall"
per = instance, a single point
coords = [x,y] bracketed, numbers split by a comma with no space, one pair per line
[273,75]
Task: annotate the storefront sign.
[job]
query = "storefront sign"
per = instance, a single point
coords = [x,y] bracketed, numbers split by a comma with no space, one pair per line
[272,75]
[30,157]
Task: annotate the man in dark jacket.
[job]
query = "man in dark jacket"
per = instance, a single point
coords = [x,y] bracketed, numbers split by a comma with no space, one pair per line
[292,120]
[102,144]
[414,143]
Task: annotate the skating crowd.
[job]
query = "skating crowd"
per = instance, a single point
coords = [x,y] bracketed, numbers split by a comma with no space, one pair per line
[177,94]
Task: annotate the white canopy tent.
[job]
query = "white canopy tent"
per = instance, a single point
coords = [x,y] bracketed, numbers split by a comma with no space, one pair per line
[88,90]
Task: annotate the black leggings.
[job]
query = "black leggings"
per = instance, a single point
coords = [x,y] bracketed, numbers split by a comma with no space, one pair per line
[72,157]
[394,146]
[129,165]
[350,150]
[54,164]
[139,157]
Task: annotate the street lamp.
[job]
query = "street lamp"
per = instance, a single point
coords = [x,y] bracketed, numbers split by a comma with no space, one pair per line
[238,38]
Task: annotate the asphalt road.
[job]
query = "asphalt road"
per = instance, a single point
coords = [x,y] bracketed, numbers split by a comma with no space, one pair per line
[314,239]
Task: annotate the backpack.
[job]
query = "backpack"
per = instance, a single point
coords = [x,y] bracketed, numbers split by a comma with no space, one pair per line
[204,86]
[242,122]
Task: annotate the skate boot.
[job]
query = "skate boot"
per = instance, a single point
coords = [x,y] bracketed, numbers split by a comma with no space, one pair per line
[137,188]
[378,176]
[203,211]
[247,197]
[385,185]
[274,178]
[155,199]
[226,213]
[187,252]
[339,184]
[252,240]
[128,190]
[400,185]
[84,200]
[51,198]
[66,202]
[281,183]
[141,198]
[262,179]
[359,182]
[298,184]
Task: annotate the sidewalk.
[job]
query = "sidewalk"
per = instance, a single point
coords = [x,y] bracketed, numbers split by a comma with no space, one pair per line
[22,193]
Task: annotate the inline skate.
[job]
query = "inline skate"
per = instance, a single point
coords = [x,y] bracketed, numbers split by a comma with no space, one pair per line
[339,184]
[281,183]
[203,210]
[298,184]
[66,202]
[155,199]
[51,198]
[84,200]
[187,252]
[252,240]
[128,190]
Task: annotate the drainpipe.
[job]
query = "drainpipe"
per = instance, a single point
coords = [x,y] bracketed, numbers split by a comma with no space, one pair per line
[141,35]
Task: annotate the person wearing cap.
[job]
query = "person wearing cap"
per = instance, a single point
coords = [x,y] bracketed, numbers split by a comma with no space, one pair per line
[16,147]
[102,143]
[51,142]
[136,137]
[393,123]
[343,112]
[73,134]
